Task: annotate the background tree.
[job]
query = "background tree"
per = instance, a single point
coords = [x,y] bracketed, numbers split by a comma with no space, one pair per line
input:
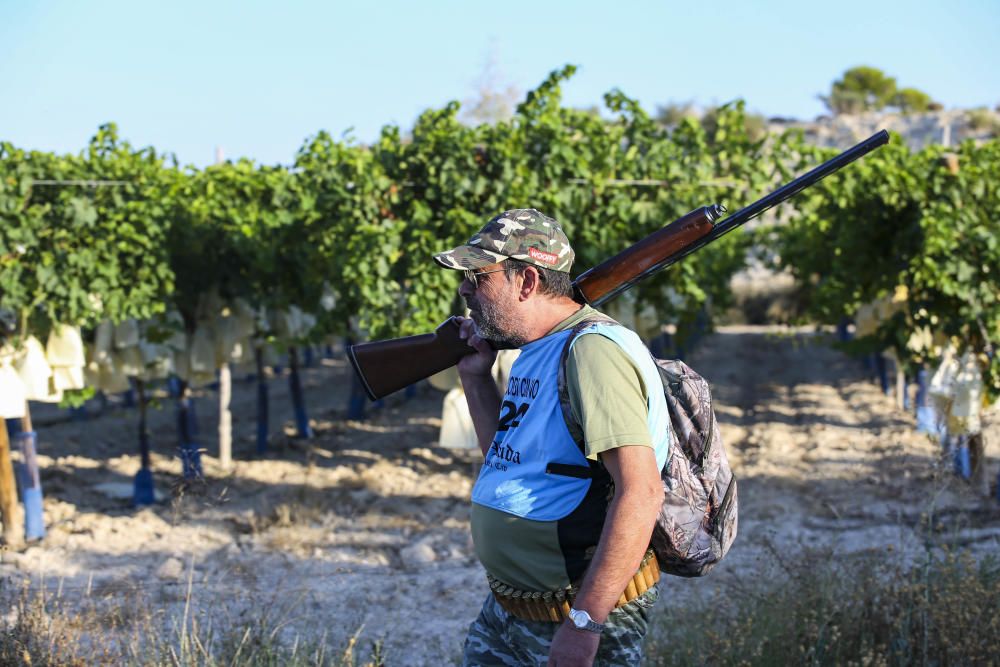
[860,89]
[911,99]
[671,115]
[494,99]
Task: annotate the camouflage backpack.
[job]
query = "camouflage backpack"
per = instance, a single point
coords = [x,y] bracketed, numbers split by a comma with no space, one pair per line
[698,518]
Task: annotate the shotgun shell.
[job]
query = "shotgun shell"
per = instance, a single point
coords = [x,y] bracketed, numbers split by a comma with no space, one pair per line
[524,603]
[553,612]
[640,583]
[630,593]
[531,608]
[539,607]
[516,605]
[549,606]
[647,575]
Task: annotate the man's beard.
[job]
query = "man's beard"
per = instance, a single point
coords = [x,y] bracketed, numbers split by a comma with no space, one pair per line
[495,324]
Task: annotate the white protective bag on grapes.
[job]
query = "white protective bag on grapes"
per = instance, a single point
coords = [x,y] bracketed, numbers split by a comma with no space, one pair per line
[64,347]
[13,396]
[35,372]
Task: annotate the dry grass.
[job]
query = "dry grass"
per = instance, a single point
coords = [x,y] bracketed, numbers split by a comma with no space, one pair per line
[126,627]
[829,609]
[813,608]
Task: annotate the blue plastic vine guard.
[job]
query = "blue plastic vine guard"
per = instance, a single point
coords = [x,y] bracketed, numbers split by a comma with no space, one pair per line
[926,415]
[31,486]
[963,465]
[143,492]
[926,419]
[187,428]
[262,414]
[190,460]
[299,404]
[882,369]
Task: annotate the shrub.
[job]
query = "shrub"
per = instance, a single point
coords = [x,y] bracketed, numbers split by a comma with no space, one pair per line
[984,120]
[826,609]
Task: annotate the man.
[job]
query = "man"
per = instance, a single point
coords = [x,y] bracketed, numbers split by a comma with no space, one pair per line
[557,519]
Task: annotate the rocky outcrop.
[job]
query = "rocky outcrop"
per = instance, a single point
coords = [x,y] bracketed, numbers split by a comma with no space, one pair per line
[918,129]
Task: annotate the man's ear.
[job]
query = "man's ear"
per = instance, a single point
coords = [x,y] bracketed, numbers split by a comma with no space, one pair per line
[530,282]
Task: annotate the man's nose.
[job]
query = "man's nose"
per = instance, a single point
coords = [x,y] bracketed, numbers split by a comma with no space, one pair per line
[465,288]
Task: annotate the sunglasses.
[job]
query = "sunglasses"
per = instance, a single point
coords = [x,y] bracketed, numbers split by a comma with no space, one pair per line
[473,276]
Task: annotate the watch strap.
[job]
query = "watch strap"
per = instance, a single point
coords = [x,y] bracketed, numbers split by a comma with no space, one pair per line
[590,626]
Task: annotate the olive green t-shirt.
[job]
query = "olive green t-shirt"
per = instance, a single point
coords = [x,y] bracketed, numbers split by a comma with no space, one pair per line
[608,400]
[606,391]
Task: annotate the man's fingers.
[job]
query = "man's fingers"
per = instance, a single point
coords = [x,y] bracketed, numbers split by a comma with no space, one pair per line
[467,331]
[466,328]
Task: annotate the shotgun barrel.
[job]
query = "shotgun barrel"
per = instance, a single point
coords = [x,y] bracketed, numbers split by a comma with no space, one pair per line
[701,226]
[388,366]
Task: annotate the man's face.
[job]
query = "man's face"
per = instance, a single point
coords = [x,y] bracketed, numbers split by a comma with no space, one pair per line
[492,306]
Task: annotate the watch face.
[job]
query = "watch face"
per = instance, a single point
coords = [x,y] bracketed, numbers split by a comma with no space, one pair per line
[578,617]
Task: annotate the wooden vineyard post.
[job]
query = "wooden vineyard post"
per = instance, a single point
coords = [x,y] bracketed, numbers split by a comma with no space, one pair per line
[225,418]
[10,511]
[979,477]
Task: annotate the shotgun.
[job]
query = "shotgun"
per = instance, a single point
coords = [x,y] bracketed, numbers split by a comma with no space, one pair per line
[390,365]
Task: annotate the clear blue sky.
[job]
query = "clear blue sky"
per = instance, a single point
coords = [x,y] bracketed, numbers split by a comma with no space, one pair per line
[257,78]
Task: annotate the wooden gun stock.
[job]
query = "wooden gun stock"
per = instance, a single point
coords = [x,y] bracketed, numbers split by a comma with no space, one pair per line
[612,277]
[391,365]
[387,366]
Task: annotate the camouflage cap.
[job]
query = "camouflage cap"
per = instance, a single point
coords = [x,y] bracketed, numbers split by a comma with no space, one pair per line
[521,233]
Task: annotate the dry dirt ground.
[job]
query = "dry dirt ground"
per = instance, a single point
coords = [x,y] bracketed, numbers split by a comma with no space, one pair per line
[364,529]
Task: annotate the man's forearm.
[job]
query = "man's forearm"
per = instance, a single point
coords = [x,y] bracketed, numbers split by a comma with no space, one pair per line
[624,540]
[483,398]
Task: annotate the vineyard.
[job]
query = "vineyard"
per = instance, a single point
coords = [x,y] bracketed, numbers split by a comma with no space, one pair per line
[125,277]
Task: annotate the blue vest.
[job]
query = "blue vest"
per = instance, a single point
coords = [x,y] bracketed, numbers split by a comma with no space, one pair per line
[532,433]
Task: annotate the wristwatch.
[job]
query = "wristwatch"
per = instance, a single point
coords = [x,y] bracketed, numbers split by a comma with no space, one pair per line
[582,621]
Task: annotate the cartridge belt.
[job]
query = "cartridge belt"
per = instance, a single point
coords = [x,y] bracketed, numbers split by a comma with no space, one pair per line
[554,605]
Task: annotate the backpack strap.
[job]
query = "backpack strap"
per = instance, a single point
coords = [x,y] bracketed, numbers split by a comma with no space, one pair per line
[575,430]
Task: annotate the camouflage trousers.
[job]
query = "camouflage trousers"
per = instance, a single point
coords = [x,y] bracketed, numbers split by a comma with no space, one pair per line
[497,638]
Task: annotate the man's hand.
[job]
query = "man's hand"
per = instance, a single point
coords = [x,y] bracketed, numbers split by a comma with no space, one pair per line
[572,647]
[480,363]
[477,380]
